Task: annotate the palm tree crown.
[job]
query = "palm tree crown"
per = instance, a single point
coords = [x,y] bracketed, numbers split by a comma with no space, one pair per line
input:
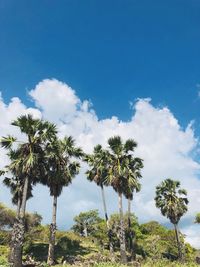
[121,173]
[98,163]
[59,164]
[171,200]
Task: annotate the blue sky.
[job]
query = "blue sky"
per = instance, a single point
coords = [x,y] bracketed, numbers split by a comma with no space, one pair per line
[112,52]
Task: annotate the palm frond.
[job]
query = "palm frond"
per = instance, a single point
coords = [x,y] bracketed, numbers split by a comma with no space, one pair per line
[7,142]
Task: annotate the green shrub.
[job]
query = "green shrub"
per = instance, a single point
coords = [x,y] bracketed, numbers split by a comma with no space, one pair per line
[3,262]
[4,238]
[65,243]
[4,250]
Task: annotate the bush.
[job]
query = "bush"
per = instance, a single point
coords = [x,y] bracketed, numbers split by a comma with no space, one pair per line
[3,262]
[65,243]
[4,250]
[4,238]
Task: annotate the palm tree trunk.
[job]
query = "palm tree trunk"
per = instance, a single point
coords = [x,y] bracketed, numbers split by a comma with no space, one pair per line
[180,255]
[18,206]
[104,203]
[24,198]
[131,232]
[17,239]
[10,256]
[51,251]
[122,232]
[107,224]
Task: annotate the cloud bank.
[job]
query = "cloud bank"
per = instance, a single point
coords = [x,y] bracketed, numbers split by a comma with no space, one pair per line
[167,149]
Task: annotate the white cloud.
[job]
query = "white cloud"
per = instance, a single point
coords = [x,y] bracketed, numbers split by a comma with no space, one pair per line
[56,99]
[191,234]
[164,145]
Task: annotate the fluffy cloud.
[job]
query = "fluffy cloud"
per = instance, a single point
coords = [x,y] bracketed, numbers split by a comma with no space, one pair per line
[167,150]
[56,100]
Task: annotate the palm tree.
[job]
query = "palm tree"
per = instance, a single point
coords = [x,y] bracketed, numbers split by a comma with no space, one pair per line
[172,202]
[15,185]
[60,170]
[98,163]
[27,161]
[133,174]
[117,177]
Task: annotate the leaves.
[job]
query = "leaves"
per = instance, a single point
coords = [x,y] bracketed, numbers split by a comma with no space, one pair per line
[124,170]
[60,167]
[7,142]
[171,200]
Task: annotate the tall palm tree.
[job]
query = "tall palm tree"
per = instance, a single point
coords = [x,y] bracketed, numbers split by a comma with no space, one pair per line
[133,174]
[98,163]
[117,177]
[172,202]
[27,160]
[60,170]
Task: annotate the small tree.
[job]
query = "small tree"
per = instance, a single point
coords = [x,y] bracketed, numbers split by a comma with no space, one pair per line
[85,222]
[172,202]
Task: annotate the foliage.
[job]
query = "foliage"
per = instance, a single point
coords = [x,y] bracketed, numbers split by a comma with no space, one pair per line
[197,218]
[4,250]
[7,216]
[98,165]
[158,241]
[59,164]
[4,237]
[124,169]
[4,262]
[171,200]
[85,222]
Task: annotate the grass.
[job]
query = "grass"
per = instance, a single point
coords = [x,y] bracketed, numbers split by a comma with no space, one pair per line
[161,263]
[88,255]
[158,264]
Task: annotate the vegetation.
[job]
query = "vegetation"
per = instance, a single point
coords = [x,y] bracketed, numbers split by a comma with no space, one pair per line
[172,202]
[42,157]
[60,170]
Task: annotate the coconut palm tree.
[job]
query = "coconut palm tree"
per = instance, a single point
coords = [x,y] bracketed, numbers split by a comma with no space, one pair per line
[60,170]
[26,160]
[172,202]
[117,177]
[98,163]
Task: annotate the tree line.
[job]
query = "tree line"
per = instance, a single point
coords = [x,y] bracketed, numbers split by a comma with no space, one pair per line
[41,157]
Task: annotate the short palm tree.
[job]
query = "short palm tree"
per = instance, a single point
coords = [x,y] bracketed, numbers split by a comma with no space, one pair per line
[60,170]
[172,202]
[117,177]
[26,161]
[15,185]
[98,163]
